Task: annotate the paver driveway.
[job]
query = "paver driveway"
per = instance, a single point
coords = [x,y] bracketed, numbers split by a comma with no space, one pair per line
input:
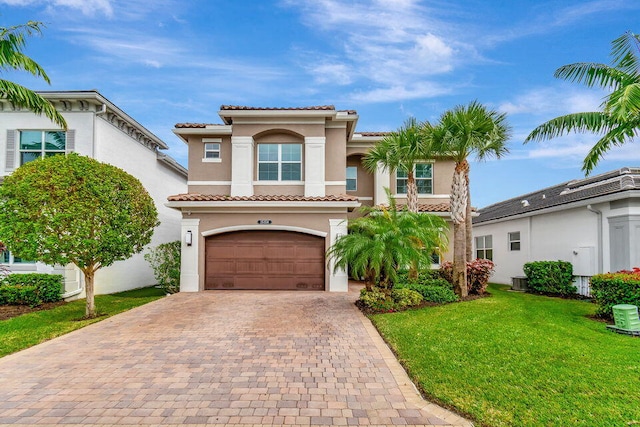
[218,358]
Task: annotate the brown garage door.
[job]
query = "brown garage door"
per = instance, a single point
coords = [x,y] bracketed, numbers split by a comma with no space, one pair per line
[265,260]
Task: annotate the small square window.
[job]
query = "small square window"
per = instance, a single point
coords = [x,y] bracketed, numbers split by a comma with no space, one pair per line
[212,150]
[514,241]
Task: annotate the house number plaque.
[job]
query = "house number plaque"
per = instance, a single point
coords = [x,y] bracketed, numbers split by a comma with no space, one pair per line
[264,221]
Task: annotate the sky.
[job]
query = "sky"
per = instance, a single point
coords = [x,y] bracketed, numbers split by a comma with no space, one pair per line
[170,61]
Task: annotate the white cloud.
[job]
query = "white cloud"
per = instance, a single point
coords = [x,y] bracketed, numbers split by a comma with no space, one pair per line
[86,7]
[553,101]
[396,47]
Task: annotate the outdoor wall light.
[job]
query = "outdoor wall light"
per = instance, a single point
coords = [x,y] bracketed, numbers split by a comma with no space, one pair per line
[188,238]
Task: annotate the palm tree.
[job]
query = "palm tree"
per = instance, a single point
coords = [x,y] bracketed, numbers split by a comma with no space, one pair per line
[383,241]
[12,42]
[401,150]
[459,133]
[619,120]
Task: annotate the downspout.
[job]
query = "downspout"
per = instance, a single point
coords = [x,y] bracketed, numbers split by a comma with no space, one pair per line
[600,248]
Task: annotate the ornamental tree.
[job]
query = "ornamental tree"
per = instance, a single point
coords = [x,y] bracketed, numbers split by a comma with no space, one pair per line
[73,209]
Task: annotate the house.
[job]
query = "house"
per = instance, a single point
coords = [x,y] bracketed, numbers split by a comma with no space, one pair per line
[594,223]
[99,129]
[270,189]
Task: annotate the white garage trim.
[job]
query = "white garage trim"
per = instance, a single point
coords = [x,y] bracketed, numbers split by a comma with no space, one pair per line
[253,227]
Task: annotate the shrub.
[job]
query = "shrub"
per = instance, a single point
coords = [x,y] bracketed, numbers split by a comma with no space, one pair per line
[609,289]
[405,298]
[399,299]
[376,300]
[165,261]
[433,293]
[550,277]
[30,289]
[479,272]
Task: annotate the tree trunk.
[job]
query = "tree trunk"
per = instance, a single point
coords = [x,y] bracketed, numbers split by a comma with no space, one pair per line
[412,193]
[469,224]
[458,216]
[90,309]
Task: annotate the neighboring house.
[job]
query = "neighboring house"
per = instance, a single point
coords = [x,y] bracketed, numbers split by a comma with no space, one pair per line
[271,189]
[98,129]
[594,223]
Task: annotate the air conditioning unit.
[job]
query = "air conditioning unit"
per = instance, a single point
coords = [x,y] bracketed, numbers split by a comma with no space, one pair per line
[519,283]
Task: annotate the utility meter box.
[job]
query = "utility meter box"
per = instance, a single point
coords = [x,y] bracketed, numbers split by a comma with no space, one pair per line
[626,317]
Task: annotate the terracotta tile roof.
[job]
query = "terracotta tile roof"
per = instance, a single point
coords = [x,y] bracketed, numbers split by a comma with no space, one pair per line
[242,107]
[616,181]
[194,197]
[193,125]
[374,133]
[428,207]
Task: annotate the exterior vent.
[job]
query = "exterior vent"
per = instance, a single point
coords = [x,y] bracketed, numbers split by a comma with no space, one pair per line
[525,203]
[519,283]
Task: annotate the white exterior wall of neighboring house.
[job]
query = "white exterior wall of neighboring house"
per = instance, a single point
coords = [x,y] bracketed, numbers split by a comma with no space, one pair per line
[580,232]
[95,137]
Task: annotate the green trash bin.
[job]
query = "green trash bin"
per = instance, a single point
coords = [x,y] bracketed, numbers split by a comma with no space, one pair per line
[626,317]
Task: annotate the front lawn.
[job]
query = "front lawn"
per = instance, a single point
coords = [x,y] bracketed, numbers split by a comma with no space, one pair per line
[30,329]
[516,359]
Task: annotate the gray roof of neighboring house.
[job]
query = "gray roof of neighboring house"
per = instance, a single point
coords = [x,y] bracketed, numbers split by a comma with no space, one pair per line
[616,181]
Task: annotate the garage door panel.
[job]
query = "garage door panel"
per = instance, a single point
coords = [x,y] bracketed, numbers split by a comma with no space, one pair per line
[265,260]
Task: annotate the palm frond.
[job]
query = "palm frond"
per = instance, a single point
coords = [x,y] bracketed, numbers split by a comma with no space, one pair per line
[624,103]
[25,98]
[625,53]
[12,42]
[596,122]
[617,136]
[593,74]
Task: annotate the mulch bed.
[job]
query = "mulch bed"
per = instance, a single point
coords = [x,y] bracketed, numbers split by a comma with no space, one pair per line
[9,311]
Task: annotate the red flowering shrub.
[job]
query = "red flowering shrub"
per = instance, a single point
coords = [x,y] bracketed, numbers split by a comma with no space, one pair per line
[478,273]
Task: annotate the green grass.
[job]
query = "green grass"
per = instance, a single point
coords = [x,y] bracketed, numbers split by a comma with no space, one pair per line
[517,359]
[30,329]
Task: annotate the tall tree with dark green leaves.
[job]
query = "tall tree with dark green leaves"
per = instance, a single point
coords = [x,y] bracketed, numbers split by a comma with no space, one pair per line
[73,209]
[619,119]
[461,132]
[12,58]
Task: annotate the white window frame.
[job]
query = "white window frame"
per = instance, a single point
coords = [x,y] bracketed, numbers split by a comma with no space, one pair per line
[11,259]
[511,240]
[212,146]
[483,247]
[43,150]
[280,163]
[355,180]
[416,179]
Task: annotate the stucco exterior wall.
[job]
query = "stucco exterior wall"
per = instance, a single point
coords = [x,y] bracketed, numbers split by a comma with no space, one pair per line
[160,182]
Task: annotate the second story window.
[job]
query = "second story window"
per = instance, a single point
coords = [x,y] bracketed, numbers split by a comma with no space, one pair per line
[36,144]
[212,150]
[423,173]
[352,178]
[279,162]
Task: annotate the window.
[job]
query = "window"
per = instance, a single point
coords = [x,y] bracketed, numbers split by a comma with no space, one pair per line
[435,258]
[36,144]
[484,247]
[212,150]
[514,241]
[279,162]
[8,258]
[423,173]
[352,178]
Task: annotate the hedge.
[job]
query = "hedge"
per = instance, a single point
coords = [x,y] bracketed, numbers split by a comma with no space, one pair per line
[30,289]
[609,289]
[550,277]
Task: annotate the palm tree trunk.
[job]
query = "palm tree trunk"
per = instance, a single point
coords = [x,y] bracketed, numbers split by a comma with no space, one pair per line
[412,193]
[469,224]
[458,216]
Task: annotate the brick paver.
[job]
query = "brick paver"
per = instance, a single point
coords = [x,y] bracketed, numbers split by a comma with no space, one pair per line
[218,358]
